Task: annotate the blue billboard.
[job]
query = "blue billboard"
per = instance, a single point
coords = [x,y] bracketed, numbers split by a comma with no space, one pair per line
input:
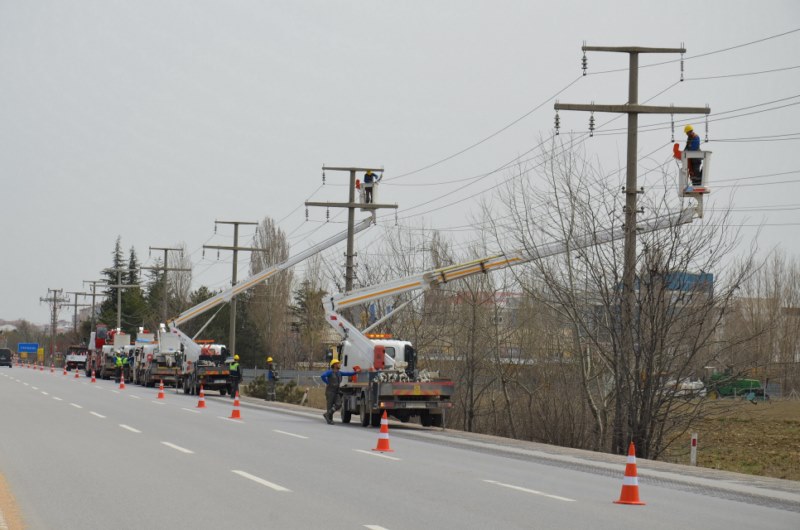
[27,347]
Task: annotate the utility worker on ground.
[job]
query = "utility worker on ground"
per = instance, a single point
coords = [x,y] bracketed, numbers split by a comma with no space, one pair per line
[333,379]
[119,361]
[693,144]
[272,380]
[235,376]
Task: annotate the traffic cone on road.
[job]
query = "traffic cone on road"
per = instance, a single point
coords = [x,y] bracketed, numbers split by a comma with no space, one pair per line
[161,390]
[630,484]
[202,403]
[383,436]
[65,369]
[93,378]
[236,415]
[122,381]
[41,367]
[76,373]
[52,368]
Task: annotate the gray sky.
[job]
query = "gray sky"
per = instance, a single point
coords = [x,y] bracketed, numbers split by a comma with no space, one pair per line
[149,119]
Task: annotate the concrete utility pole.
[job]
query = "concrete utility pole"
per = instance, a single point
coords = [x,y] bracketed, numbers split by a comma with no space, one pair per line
[351,205]
[166,269]
[235,248]
[95,283]
[632,109]
[75,306]
[119,287]
[55,299]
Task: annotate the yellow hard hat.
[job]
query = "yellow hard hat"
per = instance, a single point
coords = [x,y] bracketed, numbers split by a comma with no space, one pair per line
[688,129]
[336,361]
[235,357]
[269,359]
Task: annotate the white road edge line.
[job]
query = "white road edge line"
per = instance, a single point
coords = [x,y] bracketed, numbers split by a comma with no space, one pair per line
[179,448]
[190,410]
[93,413]
[526,490]
[130,428]
[290,434]
[375,453]
[261,481]
[76,405]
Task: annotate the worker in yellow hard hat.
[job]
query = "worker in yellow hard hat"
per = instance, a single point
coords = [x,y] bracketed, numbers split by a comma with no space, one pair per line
[693,144]
[272,380]
[235,376]
[333,396]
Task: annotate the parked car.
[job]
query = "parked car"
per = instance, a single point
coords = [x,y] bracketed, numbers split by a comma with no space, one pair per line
[5,357]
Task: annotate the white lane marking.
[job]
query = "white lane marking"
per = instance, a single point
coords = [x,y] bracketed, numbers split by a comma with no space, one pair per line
[134,397]
[93,413]
[130,428]
[259,480]
[35,387]
[375,453]
[179,448]
[45,393]
[526,490]
[158,402]
[115,391]
[230,419]
[98,387]
[26,384]
[290,434]
[191,410]
[374,527]
[57,398]
[76,405]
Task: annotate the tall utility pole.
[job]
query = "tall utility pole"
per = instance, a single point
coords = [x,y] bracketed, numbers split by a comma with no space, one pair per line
[75,306]
[351,205]
[235,248]
[166,269]
[95,283]
[55,299]
[119,287]
[632,109]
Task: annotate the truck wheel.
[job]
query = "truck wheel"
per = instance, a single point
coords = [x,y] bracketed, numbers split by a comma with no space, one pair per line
[376,419]
[426,419]
[223,391]
[362,411]
[346,413]
[437,420]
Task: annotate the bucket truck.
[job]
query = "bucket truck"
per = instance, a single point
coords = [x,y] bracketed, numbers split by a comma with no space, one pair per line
[195,358]
[388,378]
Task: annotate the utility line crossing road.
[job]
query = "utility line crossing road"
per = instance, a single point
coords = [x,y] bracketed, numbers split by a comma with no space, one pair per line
[79,455]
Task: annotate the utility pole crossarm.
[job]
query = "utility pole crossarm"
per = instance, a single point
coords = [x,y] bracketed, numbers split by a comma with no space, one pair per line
[361,205]
[223,247]
[631,49]
[635,108]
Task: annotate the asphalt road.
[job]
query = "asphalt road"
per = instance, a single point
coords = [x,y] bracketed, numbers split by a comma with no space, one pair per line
[85,456]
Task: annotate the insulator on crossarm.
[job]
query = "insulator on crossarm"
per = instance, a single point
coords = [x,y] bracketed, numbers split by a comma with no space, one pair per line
[584,61]
[558,123]
[591,125]
[681,63]
[306,213]
[323,177]
[327,214]
[706,140]
[218,255]
[672,126]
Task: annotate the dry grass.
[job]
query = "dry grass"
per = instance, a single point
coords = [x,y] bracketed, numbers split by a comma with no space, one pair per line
[761,439]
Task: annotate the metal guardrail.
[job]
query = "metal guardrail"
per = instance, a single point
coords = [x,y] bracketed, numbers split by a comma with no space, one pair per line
[300,377]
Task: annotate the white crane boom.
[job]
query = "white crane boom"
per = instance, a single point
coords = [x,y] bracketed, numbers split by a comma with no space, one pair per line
[227,294]
[364,347]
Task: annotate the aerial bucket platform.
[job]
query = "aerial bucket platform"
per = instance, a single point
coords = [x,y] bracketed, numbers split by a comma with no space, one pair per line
[686,187]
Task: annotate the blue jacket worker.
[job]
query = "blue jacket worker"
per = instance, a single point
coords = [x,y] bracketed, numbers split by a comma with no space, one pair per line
[333,379]
[693,144]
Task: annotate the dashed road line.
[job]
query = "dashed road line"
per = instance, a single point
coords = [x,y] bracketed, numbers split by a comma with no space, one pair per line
[374,527]
[233,420]
[93,413]
[128,427]
[76,405]
[179,448]
[45,393]
[35,387]
[57,398]
[157,402]
[375,453]
[290,434]
[134,397]
[526,490]
[191,410]
[261,481]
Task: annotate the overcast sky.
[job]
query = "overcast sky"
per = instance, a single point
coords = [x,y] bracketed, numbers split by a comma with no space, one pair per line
[149,119]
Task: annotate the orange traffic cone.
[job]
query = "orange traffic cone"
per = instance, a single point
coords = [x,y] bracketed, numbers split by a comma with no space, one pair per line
[65,369]
[122,381]
[236,415]
[76,373]
[202,403]
[41,367]
[93,378]
[161,390]
[383,437]
[52,368]
[630,484]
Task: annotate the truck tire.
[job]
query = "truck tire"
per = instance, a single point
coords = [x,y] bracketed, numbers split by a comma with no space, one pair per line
[426,419]
[376,419]
[362,411]
[223,391]
[346,413]
[437,420]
